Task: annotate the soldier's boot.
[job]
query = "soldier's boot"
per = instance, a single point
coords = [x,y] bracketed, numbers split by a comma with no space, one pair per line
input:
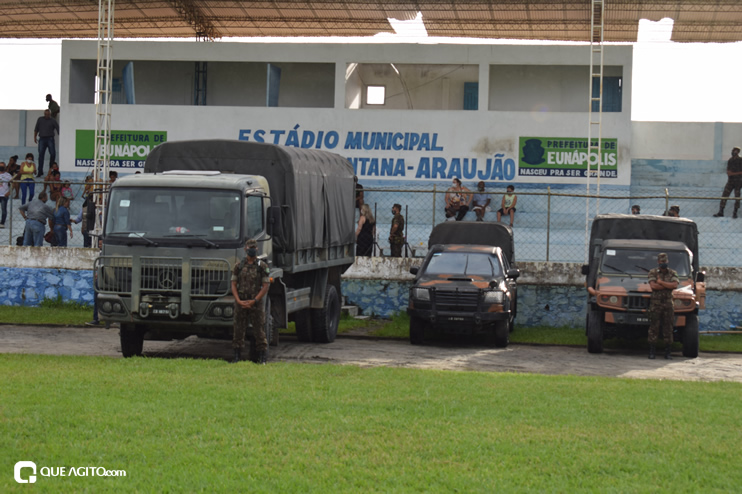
[237,355]
[720,214]
[667,353]
[261,358]
[652,352]
[734,215]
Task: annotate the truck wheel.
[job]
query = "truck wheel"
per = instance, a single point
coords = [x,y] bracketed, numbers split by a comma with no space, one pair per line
[594,332]
[303,323]
[325,320]
[690,336]
[132,340]
[417,331]
[499,337]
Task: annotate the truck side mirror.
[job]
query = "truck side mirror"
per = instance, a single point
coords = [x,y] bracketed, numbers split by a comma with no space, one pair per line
[585,269]
[700,277]
[274,219]
[513,273]
[414,270]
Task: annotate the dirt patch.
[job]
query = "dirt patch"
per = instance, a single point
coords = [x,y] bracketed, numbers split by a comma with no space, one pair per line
[367,352]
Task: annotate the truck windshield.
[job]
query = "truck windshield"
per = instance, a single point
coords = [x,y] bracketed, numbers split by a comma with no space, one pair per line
[461,263]
[639,262]
[151,212]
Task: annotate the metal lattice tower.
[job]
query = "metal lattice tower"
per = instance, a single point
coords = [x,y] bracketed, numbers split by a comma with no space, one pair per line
[595,118]
[103,98]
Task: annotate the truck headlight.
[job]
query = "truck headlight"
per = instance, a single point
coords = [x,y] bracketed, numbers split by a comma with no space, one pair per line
[493,297]
[421,294]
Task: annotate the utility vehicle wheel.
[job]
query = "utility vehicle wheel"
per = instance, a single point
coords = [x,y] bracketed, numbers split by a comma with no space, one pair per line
[132,340]
[417,331]
[594,332]
[303,323]
[325,321]
[690,336]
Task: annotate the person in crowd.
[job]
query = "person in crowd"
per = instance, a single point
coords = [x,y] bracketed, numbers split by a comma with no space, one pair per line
[734,182]
[5,179]
[365,233]
[635,209]
[43,134]
[396,233]
[662,281]
[88,187]
[66,191]
[53,107]
[112,176]
[36,214]
[55,186]
[250,283]
[54,167]
[457,200]
[507,207]
[359,193]
[674,211]
[62,222]
[26,176]
[13,169]
[480,202]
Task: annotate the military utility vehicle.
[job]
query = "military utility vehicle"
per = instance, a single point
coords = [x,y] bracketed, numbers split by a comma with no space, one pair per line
[623,248]
[173,234]
[467,283]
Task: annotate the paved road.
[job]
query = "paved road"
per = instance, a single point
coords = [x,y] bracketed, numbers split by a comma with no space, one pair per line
[368,352]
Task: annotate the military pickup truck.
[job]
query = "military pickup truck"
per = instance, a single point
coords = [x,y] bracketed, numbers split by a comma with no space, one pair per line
[173,234]
[623,248]
[467,283]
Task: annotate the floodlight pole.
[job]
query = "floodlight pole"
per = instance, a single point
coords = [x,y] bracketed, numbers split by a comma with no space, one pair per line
[104,83]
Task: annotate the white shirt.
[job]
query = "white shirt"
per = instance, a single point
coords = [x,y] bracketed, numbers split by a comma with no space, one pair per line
[5,177]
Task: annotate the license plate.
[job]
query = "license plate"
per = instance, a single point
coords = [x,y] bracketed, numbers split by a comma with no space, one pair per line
[161,312]
[642,319]
[456,319]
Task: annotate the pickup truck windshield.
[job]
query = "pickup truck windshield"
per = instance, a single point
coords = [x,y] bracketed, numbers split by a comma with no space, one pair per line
[639,262]
[147,212]
[461,263]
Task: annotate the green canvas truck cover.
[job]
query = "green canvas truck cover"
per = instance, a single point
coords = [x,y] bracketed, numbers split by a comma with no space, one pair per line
[314,188]
[475,233]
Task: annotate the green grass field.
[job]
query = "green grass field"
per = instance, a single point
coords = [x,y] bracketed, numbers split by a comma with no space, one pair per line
[185,425]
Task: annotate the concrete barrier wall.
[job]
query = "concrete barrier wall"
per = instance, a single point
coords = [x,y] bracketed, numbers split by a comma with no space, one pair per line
[549,294]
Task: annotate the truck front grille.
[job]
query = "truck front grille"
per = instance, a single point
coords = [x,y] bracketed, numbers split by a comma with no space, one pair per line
[637,302]
[456,301]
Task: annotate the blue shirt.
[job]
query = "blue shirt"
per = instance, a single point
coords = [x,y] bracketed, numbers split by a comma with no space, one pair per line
[480,199]
[62,217]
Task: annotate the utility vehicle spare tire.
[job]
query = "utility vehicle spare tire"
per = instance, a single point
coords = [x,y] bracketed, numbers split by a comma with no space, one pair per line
[690,336]
[132,340]
[325,320]
[417,331]
[594,332]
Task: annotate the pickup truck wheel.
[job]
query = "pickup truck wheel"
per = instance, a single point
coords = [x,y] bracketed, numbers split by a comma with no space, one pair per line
[303,323]
[690,336]
[417,331]
[325,320]
[500,335]
[132,340]
[594,332]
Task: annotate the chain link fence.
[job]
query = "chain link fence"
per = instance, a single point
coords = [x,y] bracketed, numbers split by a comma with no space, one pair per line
[549,225]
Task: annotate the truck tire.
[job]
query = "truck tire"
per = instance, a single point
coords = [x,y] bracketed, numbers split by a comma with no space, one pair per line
[417,331]
[499,336]
[690,336]
[325,320]
[594,332]
[303,323]
[132,340]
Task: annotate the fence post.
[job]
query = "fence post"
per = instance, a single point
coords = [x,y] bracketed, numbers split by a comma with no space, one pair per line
[435,189]
[548,220]
[667,200]
[10,214]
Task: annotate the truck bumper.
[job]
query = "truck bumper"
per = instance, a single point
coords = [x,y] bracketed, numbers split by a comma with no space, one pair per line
[457,322]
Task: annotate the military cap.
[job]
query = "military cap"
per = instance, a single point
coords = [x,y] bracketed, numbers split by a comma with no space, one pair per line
[251,243]
[662,257]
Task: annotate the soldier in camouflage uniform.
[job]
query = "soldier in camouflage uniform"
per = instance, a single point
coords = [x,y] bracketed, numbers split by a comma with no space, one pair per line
[250,282]
[662,281]
[396,234]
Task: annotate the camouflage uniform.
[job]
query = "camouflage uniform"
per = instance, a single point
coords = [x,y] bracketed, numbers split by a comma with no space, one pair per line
[250,279]
[661,312]
[396,240]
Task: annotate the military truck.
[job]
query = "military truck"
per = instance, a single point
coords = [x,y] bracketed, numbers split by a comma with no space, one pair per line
[623,248]
[467,283]
[173,234]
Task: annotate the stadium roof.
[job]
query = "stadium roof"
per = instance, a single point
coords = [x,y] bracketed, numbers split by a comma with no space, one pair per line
[694,20]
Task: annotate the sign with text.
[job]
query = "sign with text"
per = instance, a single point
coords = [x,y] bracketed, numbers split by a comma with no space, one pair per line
[129,148]
[566,157]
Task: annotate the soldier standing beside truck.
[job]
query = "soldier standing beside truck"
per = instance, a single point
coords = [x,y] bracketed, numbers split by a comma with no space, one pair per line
[396,234]
[250,283]
[662,281]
